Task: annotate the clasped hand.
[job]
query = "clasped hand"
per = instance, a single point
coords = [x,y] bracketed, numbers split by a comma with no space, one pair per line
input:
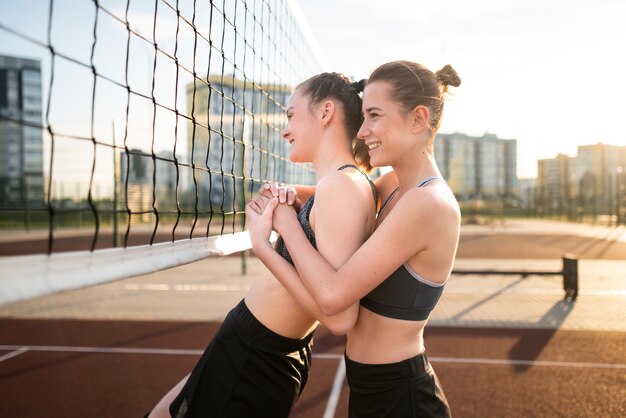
[270,210]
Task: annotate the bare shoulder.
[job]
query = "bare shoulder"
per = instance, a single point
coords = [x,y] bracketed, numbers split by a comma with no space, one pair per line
[432,204]
[342,183]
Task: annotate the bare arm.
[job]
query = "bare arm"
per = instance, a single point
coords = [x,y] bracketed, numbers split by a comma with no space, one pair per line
[407,230]
[340,228]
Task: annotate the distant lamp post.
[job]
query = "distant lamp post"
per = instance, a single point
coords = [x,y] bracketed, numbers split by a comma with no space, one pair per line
[619,195]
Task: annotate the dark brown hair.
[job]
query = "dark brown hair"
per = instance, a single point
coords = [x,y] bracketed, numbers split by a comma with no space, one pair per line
[338,87]
[414,85]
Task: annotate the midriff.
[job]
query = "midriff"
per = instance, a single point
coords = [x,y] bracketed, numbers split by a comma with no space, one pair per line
[376,339]
[270,303]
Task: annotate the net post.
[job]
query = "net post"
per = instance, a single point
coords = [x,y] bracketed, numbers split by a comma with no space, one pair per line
[570,276]
[117,127]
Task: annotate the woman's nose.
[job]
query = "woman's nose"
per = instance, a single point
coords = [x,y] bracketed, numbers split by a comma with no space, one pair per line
[363,132]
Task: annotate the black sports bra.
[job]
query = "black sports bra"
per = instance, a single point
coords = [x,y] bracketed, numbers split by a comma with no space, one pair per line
[305,212]
[404,294]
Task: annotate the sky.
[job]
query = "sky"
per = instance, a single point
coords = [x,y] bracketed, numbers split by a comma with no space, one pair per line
[549,73]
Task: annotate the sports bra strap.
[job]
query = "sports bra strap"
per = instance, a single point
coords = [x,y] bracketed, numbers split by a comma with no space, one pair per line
[384,205]
[428,180]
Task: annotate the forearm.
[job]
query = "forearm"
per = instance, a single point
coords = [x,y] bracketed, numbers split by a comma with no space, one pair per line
[286,274]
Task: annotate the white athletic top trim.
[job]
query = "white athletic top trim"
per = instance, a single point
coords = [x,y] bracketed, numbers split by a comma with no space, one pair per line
[421,279]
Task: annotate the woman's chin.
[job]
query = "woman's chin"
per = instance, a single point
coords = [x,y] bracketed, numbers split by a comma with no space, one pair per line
[377,162]
[295,158]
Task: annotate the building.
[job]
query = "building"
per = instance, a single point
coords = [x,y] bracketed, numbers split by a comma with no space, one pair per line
[589,182]
[527,187]
[148,179]
[236,138]
[554,187]
[598,169]
[21,139]
[478,167]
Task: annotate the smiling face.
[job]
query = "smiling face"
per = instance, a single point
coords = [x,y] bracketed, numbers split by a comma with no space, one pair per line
[385,126]
[301,128]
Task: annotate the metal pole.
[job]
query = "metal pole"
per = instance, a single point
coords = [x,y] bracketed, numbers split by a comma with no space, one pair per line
[245,134]
[116,127]
[27,202]
[610,196]
[570,277]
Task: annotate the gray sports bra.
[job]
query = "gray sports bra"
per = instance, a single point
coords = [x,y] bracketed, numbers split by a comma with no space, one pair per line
[305,212]
[404,294]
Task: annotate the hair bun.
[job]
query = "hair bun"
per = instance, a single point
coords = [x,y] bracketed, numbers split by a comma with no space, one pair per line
[448,76]
[358,85]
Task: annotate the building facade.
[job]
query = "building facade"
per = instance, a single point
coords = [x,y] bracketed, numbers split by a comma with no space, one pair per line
[144,179]
[592,181]
[236,139]
[478,167]
[21,139]
[554,187]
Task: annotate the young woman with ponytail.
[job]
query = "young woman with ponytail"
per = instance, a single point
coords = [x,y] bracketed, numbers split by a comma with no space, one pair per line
[258,362]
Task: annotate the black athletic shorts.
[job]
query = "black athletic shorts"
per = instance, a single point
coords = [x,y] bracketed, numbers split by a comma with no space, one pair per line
[246,371]
[407,389]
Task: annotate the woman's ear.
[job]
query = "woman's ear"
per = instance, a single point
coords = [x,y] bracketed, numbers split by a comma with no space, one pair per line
[328,110]
[420,116]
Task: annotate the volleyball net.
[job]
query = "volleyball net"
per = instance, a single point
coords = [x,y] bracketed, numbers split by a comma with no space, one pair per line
[133,132]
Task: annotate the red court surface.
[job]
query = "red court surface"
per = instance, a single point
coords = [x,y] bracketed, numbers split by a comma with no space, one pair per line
[78,368]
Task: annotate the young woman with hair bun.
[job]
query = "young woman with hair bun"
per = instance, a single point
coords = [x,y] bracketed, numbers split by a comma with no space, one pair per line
[398,275]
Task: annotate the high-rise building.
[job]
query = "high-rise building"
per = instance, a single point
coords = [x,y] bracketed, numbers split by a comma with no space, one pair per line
[478,167]
[148,179]
[590,181]
[554,187]
[600,164]
[237,136]
[21,139]
[527,188]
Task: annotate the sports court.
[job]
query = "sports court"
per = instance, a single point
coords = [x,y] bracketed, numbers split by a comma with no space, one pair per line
[501,345]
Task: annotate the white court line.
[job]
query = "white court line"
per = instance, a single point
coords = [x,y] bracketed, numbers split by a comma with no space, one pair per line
[13,353]
[533,291]
[186,287]
[118,350]
[466,360]
[122,350]
[335,392]
[214,287]
[526,362]
[328,356]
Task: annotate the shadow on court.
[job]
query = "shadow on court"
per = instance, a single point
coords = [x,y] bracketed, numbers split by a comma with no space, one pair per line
[78,368]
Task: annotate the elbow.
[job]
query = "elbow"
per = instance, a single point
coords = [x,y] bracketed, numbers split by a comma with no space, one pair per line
[341,324]
[331,307]
[331,301]
[339,330]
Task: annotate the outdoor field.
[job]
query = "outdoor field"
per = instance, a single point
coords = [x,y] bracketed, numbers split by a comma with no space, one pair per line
[502,346]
